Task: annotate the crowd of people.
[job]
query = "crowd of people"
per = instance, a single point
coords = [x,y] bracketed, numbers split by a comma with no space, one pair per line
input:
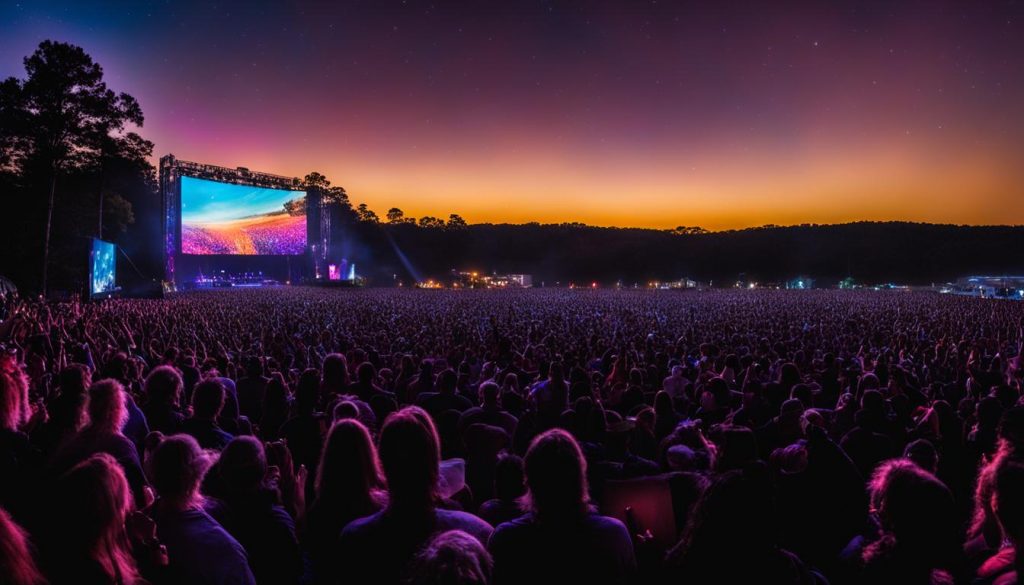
[310,436]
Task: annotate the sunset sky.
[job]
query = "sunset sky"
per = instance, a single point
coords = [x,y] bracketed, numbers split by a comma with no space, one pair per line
[655,114]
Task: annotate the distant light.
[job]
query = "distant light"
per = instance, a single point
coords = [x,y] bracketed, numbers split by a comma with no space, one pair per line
[593,285]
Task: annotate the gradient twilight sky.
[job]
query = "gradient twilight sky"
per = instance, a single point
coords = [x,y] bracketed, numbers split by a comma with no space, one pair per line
[657,114]
[205,201]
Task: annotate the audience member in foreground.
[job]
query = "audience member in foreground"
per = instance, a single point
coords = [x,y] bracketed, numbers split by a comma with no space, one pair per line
[349,485]
[17,565]
[86,534]
[198,547]
[250,511]
[453,558]
[918,539]
[560,539]
[381,547]
[736,513]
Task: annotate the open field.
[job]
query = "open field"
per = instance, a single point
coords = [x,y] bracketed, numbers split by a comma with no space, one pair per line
[264,234]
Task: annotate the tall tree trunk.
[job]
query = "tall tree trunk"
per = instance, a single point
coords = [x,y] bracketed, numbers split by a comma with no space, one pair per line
[49,225]
[99,230]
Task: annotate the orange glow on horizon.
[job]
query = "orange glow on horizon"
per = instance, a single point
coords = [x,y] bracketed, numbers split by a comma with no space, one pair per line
[717,193]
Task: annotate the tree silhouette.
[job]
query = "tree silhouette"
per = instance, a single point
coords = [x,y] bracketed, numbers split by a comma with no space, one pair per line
[315,180]
[395,215]
[65,120]
[455,221]
[329,194]
[429,221]
[339,196]
[366,214]
[13,120]
[688,231]
[296,206]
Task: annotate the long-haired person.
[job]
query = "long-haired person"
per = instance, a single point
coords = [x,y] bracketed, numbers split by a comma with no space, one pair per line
[730,536]
[561,539]
[67,410]
[379,548]
[335,378]
[247,507]
[17,455]
[919,539]
[1005,567]
[208,399]
[103,434]
[349,485]
[163,391]
[984,535]
[275,407]
[17,564]
[199,549]
[86,539]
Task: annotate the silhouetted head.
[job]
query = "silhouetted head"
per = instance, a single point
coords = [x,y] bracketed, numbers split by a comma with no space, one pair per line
[307,391]
[345,409]
[410,455]
[990,412]
[366,373]
[555,372]
[917,516]
[556,476]
[163,386]
[349,469]
[335,373]
[116,366]
[1009,500]
[92,503]
[75,379]
[509,477]
[253,367]
[208,399]
[715,395]
[923,454]
[426,368]
[789,375]
[446,381]
[511,383]
[802,392]
[178,466]
[737,446]
[1011,427]
[453,558]
[243,465]
[14,402]
[663,403]
[736,512]
[107,412]
[490,394]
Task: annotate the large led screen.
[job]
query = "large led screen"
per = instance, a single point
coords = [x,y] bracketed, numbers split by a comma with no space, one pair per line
[224,218]
[102,268]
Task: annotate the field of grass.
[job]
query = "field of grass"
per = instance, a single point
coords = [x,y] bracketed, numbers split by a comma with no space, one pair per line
[264,234]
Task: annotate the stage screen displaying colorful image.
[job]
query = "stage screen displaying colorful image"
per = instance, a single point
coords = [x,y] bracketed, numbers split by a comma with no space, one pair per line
[224,218]
[102,268]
